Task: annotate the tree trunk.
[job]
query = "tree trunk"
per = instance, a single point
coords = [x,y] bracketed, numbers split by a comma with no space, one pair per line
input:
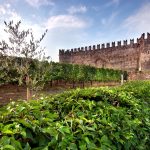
[65,82]
[18,90]
[57,81]
[28,94]
[122,79]
[51,83]
[91,82]
[73,84]
[83,84]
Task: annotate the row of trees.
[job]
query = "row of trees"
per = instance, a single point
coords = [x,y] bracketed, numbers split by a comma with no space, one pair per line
[81,73]
[22,60]
[52,71]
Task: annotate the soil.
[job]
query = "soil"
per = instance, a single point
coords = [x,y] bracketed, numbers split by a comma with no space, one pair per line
[9,92]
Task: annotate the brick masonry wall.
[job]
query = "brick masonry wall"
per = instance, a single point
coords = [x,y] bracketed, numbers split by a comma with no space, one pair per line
[124,56]
[139,75]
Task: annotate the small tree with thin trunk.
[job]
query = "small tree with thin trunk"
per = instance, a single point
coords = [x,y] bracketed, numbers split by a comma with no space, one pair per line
[23,53]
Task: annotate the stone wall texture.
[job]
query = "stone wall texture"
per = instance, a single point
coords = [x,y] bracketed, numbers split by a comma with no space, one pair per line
[129,56]
[145,75]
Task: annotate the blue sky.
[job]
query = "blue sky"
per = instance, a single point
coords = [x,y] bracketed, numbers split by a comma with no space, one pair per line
[77,23]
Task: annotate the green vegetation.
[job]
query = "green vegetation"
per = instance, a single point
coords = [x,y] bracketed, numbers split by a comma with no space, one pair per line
[66,72]
[18,54]
[23,61]
[81,73]
[95,119]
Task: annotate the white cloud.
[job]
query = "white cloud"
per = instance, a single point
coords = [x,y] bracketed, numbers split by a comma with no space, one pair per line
[139,22]
[113,2]
[109,21]
[7,5]
[15,16]
[64,39]
[2,10]
[7,13]
[77,9]
[38,3]
[57,37]
[65,21]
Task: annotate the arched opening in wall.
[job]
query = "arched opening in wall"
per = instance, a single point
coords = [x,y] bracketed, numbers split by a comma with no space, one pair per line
[100,63]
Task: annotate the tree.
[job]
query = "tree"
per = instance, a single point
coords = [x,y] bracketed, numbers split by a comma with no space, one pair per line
[73,74]
[25,54]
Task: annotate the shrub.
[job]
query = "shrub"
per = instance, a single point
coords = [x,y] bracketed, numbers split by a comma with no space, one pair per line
[95,118]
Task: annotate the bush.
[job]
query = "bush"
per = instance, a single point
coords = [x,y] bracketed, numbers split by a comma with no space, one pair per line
[95,118]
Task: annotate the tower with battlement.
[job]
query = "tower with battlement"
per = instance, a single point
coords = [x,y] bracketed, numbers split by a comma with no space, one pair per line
[130,56]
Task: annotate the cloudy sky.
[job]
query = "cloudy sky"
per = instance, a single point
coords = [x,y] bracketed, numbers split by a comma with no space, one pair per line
[76,23]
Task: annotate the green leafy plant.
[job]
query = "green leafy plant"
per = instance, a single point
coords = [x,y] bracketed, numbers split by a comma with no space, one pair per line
[91,118]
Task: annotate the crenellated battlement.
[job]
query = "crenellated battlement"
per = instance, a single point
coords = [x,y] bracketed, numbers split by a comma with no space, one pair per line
[124,54]
[112,45]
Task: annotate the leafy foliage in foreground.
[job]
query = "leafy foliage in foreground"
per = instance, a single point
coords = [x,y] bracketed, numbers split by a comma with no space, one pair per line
[95,118]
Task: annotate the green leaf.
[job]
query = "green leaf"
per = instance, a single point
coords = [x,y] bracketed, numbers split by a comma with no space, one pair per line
[82,145]
[90,128]
[27,147]
[5,131]
[1,126]
[23,132]
[5,140]
[42,140]
[15,144]
[9,147]
[105,141]
[87,140]
[21,108]
[50,130]
[29,135]
[25,123]
[64,129]
[8,129]
[41,148]
[73,146]
[53,142]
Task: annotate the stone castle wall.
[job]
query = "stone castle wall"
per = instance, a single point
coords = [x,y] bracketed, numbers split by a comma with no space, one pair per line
[126,56]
